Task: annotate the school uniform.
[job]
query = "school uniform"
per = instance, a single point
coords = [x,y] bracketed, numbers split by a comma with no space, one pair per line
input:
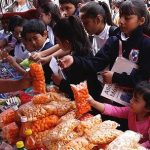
[136,49]
[47,70]
[51,35]
[100,40]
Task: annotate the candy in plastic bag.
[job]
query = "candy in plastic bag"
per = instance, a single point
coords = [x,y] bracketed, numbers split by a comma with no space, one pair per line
[81,95]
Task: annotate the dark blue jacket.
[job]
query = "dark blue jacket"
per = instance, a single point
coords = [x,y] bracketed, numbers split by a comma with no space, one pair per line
[46,68]
[108,54]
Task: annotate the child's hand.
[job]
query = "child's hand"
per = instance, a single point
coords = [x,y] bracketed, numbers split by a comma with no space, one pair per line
[56,79]
[91,100]
[35,56]
[66,61]
[107,76]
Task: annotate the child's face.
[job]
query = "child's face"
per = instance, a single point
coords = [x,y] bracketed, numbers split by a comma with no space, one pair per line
[63,44]
[129,23]
[28,45]
[36,40]
[90,24]
[45,18]
[67,9]
[17,32]
[137,104]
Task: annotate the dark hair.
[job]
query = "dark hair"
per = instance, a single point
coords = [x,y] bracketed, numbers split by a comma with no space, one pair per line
[74,2]
[143,89]
[92,9]
[35,26]
[71,29]
[14,22]
[136,7]
[118,3]
[53,9]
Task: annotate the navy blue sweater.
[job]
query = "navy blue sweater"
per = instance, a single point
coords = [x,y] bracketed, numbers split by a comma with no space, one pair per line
[138,42]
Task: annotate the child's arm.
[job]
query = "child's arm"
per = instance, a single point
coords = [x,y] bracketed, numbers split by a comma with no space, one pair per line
[110,110]
[14,85]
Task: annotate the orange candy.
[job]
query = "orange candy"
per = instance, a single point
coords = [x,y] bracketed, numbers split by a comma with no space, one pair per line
[81,95]
[37,74]
[45,123]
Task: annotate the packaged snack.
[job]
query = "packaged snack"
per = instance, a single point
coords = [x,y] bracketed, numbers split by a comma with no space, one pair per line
[80,143]
[128,139]
[10,132]
[24,97]
[86,116]
[40,99]
[57,145]
[81,95]
[45,123]
[104,136]
[88,124]
[69,115]
[33,112]
[37,74]
[7,116]
[62,130]
[5,146]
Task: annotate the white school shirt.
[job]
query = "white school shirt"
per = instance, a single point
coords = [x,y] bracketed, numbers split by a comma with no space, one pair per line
[20,52]
[50,35]
[100,40]
[22,8]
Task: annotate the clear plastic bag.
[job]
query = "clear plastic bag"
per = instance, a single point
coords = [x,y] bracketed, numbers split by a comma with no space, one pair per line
[33,112]
[104,136]
[62,130]
[81,95]
[10,132]
[128,139]
[80,143]
[6,117]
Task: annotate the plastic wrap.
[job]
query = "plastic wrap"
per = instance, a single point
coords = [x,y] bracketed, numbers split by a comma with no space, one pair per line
[104,136]
[57,145]
[81,95]
[88,124]
[33,112]
[62,130]
[37,74]
[80,143]
[45,123]
[10,132]
[69,115]
[40,99]
[6,117]
[128,139]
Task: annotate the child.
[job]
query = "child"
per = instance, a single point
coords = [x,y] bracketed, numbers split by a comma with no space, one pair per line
[71,37]
[97,21]
[70,7]
[138,114]
[50,14]
[35,34]
[135,47]
[16,26]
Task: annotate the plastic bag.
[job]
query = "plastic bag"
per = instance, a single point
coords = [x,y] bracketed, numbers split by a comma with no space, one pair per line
[128,139]
[40,99]
[81,95]
[10,133]
[37,74]
[6,117]
[62,130]
[80,143]
[104,136]
[33,112]
[88,124]
[5,146]
[45,123]
[69,115]
[57,145]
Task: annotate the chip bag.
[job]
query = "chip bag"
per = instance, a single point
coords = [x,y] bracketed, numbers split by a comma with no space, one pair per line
[81,95]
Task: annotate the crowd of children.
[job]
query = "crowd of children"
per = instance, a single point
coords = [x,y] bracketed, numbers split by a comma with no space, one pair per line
[87,37]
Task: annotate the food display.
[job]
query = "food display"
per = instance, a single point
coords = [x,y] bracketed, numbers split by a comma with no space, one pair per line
[57,123]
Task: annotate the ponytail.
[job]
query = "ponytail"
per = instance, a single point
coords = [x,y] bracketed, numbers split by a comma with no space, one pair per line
[107,18]
[92,9]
